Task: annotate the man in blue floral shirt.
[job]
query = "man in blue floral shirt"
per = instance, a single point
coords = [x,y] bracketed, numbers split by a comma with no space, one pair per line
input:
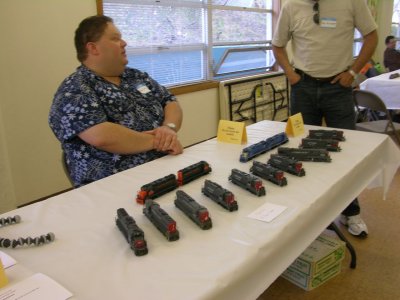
[109,117]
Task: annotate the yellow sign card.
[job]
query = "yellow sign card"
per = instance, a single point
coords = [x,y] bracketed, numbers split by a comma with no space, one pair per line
[3,277]
[295,125]
[231,132]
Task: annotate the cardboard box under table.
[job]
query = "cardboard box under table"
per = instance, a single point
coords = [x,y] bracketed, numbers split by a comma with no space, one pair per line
[317,264]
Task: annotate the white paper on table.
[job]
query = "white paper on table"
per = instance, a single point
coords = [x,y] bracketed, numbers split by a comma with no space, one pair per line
[267,212]
[7,260]
[36,287]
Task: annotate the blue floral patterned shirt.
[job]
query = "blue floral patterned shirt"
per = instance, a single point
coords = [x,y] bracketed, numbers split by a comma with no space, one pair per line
[85,99]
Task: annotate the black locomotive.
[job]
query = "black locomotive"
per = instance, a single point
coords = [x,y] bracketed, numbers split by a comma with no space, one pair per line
[164,223]
[196,212]
[269,173]
[132,232]
[193,172]
[220,195]
[248,182]
[316,155]
[287,164]
[157,188]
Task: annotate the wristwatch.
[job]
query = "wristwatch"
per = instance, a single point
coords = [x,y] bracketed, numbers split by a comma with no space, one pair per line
[171,125]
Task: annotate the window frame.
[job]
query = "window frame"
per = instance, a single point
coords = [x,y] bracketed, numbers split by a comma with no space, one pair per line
[396,35]
[210,75]
[225,55]
[265,45]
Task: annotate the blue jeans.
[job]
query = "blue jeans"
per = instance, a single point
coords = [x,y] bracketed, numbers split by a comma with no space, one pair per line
[317,100]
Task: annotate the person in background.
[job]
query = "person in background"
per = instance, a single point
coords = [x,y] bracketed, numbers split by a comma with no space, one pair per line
[323,70]
[391,57]
[107,116]
[371,69]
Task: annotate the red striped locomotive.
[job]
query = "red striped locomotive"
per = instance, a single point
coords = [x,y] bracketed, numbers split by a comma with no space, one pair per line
[157,188]
[193,172]
[220,195]
[164,223]
[131,231]
[248,182]
[287,164]
[269,173]
[196,212]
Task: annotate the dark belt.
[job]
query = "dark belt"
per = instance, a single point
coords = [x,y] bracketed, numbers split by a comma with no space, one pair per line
[320,79]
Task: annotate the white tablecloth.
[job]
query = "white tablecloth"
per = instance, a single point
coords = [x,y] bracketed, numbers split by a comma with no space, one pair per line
[237,259]
[387,89]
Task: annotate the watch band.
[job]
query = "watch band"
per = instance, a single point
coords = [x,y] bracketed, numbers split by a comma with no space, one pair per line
[352,73]
[171,125]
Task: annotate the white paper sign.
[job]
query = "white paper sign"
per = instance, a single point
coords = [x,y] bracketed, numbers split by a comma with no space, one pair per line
[36,287]
[267,212]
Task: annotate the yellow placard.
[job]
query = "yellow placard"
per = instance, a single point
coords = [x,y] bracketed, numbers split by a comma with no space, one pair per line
[3,277]
[231,132]
[295,125]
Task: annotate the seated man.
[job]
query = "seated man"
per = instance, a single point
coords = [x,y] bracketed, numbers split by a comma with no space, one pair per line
[109,117]
[391,57]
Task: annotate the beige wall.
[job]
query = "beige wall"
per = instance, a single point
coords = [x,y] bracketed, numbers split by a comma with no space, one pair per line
[201,115]
[7,196]
[37,53]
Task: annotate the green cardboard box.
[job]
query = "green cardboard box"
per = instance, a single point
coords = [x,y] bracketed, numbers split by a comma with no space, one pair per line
[308,283]
[324,252]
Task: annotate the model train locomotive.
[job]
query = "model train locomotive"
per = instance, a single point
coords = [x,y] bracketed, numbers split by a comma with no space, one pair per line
[252,151]
[163,222]
[329,145]
[157,188]
[326,134]
[287,164]
[170,182]
[193,172]
[269,173]
[220,195]
[131,231]
[248,182]
[196,212]
[316,155]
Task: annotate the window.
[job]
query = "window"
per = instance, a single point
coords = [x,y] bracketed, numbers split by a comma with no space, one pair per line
[396,21]
[241,36]
[186,41]
[358,42]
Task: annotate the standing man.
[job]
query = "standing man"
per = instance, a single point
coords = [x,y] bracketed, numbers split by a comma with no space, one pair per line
[109,117]
[391,57]
[323,70]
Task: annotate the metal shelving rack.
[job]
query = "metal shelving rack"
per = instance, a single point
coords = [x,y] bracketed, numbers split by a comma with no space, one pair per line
[239,107]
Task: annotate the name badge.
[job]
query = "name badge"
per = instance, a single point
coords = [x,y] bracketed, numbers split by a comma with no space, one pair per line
[328,22]
[142,88]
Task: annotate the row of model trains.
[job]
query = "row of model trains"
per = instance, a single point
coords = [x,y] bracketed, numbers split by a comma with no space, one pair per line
[315,147]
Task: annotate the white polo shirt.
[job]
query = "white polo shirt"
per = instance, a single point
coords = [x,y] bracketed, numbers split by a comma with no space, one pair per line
[322,50]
